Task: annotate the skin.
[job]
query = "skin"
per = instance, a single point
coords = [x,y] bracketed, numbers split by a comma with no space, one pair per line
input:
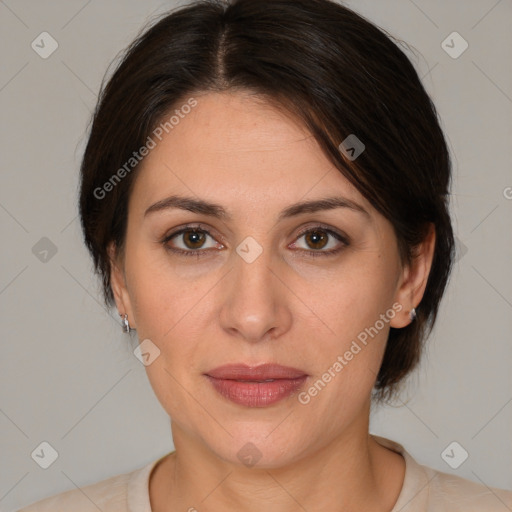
[285,307]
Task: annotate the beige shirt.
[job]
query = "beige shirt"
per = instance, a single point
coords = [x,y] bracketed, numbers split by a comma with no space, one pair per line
[424,490]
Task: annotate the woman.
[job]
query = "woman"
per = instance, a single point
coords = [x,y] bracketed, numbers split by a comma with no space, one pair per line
[264,195]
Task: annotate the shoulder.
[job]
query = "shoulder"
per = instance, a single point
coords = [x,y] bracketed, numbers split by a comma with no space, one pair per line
[456,494]
[109,494]
[428,490]
[121,493]
[91,497]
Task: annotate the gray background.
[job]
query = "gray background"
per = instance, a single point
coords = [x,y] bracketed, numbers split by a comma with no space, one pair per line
[68,375]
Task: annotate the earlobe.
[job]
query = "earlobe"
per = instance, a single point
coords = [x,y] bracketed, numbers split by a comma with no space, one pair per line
[414,280]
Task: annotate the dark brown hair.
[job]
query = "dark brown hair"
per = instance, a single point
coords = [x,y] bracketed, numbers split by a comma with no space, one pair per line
[335,72]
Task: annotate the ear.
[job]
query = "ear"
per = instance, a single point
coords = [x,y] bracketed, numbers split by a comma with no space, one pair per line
[414,279]
[118,284]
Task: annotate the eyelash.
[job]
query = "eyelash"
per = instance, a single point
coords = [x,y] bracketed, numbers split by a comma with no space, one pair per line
[204,252]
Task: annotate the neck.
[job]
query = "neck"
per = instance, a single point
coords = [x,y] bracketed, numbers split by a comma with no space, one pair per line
[353,472]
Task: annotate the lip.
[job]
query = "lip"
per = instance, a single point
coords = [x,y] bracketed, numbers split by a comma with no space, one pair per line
[255,373]
[258,386]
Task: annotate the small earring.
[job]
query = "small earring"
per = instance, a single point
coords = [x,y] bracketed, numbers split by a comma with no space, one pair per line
[126,324]
[412,314]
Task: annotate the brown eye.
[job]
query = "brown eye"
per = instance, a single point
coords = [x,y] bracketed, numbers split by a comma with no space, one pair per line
[193,239]
[313,241]
[316,239]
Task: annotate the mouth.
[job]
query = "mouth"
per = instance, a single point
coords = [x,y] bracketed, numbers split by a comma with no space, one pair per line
[258,386]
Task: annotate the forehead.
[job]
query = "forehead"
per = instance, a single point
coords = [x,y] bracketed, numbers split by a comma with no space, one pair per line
[235,149]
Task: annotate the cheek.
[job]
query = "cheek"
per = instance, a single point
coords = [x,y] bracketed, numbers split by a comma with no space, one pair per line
[162,294]
[353,295]
[353,313]
[171,307]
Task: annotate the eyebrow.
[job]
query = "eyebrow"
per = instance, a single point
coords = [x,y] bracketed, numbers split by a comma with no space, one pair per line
[203,207]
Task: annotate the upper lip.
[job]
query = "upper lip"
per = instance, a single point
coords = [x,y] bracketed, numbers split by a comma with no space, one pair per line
[261,372]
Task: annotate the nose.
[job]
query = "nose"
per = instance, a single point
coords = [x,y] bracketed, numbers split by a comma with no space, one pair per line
[255,304]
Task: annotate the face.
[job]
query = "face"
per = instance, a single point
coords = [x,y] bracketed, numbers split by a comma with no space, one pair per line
[313,289]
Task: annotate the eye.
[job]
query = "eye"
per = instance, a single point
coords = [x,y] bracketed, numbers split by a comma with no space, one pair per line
[318,238]
[189,241]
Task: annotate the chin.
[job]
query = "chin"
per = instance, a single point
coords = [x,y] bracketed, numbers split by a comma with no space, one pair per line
[262,448]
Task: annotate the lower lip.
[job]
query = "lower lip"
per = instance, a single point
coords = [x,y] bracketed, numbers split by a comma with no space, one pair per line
[257,394]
